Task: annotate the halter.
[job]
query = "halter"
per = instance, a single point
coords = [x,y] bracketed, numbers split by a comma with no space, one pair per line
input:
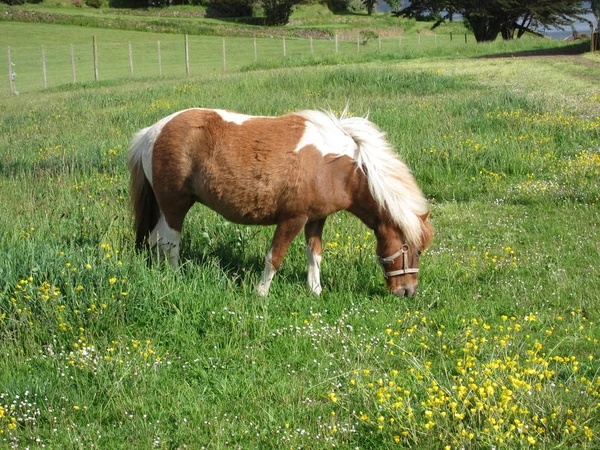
[390,259]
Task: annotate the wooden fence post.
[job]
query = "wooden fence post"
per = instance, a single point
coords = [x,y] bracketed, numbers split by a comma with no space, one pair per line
[130,60]
[11,83]
[187,56]
[44,67]
[358,42]
[73,74]
[255,51]
[312,48]
[336,43]
[95,47]
[284,49]
[159,59]
[224,58]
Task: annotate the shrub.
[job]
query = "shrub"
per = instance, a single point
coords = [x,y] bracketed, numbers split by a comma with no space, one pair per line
[337,5]
[229,8]
[13,2]
[277,12]
[94,3]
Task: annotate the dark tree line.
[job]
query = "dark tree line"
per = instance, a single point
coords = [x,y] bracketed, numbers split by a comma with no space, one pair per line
[490,18]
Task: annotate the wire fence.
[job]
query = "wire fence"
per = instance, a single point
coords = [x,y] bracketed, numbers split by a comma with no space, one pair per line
[28,69]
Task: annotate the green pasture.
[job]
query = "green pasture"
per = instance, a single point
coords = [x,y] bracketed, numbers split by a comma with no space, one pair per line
[103,349]
[207,55]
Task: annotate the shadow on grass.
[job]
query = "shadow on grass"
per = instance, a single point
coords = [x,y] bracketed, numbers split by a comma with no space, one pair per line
[574,49]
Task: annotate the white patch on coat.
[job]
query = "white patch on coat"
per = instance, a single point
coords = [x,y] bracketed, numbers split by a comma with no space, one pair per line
[233,117]
[326,135]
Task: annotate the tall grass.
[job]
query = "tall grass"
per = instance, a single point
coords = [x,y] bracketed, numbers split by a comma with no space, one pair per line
[499,348]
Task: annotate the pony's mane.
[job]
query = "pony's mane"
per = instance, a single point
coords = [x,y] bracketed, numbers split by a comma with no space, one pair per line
[390,181]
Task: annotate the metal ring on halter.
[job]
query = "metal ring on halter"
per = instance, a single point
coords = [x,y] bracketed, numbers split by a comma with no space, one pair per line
[390,259]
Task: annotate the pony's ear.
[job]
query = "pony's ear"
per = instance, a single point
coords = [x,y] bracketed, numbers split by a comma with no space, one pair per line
[425,216]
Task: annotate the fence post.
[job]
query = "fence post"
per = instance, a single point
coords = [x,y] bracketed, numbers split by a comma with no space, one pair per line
[465,38]
[73,74]
[358,42]
[95,47]
[44,67]
[379,42]
[159,59]
[284,49]
[312,49]
[419,39]
[11,84]
[130,60]
[336,43]
[224,58]
[450,36]
[255,51]
[187,56]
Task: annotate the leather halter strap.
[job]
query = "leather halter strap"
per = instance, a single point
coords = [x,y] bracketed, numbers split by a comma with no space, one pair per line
[390,259]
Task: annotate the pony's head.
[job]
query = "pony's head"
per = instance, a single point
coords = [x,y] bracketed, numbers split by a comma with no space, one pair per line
[399,258]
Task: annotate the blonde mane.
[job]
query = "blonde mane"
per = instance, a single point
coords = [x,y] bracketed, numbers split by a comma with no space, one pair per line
[390,181]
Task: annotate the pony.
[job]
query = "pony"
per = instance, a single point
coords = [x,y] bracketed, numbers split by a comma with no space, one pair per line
[292,171]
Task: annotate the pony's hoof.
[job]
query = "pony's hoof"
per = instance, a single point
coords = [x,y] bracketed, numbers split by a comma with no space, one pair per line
[316,290]
[262,290]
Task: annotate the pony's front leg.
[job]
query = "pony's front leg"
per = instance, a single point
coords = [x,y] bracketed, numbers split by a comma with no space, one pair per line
[314,250]
[285,233]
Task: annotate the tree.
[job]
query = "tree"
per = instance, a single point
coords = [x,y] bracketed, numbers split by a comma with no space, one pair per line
[488,18]
[277,12]
[370,5]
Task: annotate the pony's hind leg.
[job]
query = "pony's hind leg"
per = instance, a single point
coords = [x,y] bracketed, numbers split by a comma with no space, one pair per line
[167,240]
[314,250]
[167,232]
[285,233]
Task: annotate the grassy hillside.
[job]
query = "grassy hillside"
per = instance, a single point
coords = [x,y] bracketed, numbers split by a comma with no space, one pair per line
[499,348]
[207,54]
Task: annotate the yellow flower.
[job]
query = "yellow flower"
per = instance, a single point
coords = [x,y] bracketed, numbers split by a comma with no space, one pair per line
[112,280]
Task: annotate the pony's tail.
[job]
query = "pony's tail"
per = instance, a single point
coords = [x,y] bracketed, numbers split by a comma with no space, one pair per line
[146,211]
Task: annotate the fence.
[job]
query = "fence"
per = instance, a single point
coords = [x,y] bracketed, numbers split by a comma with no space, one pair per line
[30,69]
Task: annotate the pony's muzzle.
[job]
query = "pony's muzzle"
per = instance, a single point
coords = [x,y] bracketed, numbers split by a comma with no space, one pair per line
[405,292]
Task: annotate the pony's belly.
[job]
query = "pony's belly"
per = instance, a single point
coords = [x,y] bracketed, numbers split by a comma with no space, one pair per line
[243,215]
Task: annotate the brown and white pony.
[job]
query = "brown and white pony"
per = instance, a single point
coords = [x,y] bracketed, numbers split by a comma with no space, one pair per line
[291,171]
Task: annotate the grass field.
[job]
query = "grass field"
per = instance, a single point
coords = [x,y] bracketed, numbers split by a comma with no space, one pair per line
[207,54]
[498,350]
